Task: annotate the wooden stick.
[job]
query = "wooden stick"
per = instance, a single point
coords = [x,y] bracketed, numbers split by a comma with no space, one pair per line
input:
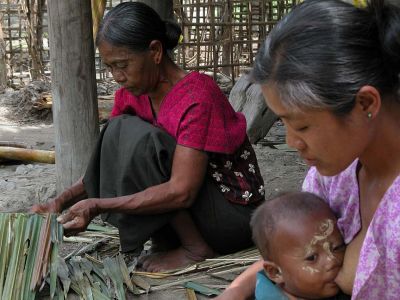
[12,144]
[13,153]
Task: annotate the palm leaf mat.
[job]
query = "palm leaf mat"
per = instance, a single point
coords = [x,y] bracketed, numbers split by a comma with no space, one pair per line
[95,269]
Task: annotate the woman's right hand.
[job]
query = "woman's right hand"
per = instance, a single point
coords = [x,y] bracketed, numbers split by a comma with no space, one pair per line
[78,216]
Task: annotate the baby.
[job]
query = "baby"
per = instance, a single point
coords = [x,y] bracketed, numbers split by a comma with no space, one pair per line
[302,248]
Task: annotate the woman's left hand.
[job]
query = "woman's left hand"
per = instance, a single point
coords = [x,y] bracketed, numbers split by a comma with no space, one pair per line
[78,216]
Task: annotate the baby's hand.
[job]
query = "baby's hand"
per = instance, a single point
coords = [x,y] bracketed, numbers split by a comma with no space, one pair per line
[231,294]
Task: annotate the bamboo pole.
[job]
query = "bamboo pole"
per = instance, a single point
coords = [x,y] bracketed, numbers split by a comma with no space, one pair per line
[13,153]
[12,144]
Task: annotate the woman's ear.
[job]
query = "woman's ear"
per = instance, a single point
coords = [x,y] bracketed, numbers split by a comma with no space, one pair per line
[156,51]
[368,100]
[273,272]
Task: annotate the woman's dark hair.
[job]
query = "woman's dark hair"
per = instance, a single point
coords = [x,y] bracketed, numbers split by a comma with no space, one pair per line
[324,51]
[134,25]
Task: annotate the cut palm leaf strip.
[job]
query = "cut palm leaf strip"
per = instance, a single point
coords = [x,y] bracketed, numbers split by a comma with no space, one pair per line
[191,295]
[34,225]
[29,248]
[63,275]
[16,255]
[202,289]
[5,241]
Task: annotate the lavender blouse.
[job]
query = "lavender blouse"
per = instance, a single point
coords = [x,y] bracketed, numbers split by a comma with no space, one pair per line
[378,270]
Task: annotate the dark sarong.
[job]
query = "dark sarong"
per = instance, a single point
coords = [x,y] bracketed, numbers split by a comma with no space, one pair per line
[132,155]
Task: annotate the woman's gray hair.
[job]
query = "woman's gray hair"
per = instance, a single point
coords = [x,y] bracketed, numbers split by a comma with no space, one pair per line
[324,51]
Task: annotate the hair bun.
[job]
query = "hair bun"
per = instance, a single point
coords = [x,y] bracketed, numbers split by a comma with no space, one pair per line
[172,34]
[387,15]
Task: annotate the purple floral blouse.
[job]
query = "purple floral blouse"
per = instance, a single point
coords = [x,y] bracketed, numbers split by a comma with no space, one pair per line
[378,270]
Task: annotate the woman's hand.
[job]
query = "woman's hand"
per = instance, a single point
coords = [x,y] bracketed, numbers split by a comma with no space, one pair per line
[78,216]
[49,207]
[67,198]
[54,205]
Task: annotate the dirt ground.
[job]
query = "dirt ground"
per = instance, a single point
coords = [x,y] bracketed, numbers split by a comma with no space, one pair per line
[23,184]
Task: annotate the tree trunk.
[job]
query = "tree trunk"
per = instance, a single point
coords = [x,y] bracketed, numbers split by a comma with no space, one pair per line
[33,10]
[73,87]
[247,98]
[39,31]
[3,65]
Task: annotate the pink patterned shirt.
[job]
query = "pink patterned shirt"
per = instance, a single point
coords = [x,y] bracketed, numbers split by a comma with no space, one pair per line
[378,270]
[198,115]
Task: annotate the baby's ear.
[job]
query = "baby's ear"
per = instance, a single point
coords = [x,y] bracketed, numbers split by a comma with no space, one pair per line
[273,272]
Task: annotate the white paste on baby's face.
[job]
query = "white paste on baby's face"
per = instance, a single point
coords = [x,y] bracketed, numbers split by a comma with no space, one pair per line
[310,269]
[327,247]
[325,230]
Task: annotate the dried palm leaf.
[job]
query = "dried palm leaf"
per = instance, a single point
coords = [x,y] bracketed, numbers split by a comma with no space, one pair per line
[111,267]
[202,289]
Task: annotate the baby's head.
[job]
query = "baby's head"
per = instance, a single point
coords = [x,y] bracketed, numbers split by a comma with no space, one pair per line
[302,248]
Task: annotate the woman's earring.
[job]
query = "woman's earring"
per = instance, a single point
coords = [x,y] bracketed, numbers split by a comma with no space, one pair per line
[369,115]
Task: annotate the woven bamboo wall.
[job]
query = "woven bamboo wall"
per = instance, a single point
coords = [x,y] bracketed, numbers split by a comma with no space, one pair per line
[220,36]
[224,36]
[22,28]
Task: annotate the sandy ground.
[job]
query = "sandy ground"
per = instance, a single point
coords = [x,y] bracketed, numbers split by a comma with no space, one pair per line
[23,184]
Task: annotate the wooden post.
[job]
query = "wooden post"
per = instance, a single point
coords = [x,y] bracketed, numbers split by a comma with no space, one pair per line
[73,87]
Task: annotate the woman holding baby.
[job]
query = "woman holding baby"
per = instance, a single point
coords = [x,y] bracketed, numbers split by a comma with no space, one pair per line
[330,70]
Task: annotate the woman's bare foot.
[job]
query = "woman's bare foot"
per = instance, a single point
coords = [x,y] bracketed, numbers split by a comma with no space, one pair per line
[174,259]
[193,248]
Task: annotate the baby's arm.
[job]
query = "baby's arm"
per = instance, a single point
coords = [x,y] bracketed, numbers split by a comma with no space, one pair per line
[244,285]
